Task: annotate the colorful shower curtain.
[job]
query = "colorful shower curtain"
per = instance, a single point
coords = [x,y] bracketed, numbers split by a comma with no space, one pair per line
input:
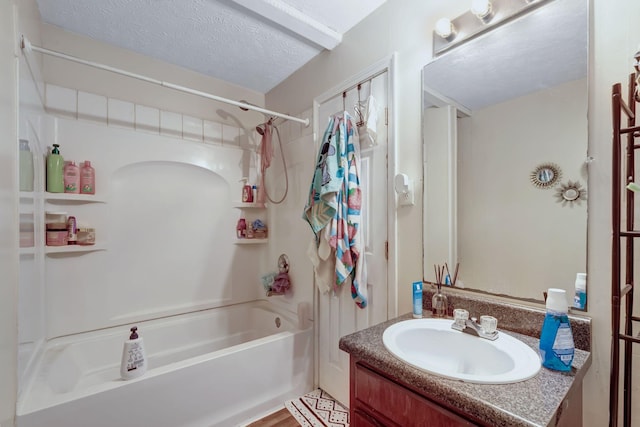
[333,209]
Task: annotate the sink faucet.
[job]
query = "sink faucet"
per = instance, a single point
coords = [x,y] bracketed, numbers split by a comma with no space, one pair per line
[471,327]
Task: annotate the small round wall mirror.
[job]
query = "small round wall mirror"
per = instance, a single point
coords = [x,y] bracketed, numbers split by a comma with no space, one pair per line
[571,192]
[546,175]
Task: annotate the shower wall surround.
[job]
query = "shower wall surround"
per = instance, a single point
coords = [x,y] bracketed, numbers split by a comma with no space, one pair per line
[165,217]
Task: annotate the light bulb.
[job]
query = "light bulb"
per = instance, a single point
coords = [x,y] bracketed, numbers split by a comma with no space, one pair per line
[481,8]
[444,28]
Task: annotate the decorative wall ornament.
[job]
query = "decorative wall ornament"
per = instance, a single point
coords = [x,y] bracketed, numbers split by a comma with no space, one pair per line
[546,175]
[571,192]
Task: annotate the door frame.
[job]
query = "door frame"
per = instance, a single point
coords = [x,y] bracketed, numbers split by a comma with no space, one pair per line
[388,64]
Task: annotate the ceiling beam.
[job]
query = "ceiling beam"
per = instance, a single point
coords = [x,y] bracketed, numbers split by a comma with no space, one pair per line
[282,14]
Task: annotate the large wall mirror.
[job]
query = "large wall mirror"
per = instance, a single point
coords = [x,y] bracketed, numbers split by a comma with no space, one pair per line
[505,152]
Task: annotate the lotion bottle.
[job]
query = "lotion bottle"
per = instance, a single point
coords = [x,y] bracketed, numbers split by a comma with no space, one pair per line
[87,178]
[580,298]
[55,167]
[556,339]
[71,178]
[134,360]
[26,166]
[417,300]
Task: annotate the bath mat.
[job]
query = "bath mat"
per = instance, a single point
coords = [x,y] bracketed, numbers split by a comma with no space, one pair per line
[318,409]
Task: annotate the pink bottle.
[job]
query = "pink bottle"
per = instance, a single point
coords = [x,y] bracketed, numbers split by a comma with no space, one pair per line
[71,178]
[87,178]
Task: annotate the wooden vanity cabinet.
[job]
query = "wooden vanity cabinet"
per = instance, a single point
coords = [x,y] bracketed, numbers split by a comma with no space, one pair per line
[376,400]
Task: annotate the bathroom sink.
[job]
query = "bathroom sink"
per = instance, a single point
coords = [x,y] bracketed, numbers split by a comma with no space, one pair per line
[432,346]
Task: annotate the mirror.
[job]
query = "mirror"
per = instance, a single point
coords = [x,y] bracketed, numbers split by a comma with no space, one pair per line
[505,149]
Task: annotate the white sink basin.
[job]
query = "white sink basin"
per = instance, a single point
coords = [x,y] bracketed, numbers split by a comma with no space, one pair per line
[432,346]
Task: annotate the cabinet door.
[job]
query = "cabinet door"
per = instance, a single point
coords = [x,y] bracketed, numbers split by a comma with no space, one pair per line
[397,403]
[362,419]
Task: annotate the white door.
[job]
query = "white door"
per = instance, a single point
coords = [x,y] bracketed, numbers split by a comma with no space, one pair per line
[338,314]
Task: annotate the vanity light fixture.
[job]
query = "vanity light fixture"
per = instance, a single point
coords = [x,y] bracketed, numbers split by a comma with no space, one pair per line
[445,29]
[484,15]
[482,9]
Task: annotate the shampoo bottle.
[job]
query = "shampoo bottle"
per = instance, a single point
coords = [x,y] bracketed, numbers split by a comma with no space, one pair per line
[556,339]
[71,178]
[26,166]
[247,193]
[87,178]
[134,360]
[55,171]
[417,300]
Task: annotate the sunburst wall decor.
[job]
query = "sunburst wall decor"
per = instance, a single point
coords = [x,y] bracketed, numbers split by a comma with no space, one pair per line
[571,192]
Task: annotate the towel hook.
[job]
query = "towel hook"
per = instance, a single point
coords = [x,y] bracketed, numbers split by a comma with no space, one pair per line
[358,108]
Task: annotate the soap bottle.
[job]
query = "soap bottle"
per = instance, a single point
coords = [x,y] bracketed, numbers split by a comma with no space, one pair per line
[417,300]
[580,298]
[247,193]
[134,360]
[71,178]
[556,339]
[241,228]
[26,166]
[55,171]
[87,178]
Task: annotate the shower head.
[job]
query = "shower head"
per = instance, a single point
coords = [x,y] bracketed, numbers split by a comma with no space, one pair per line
[260,129]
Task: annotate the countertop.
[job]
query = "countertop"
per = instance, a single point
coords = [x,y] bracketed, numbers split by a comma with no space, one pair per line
[534,402]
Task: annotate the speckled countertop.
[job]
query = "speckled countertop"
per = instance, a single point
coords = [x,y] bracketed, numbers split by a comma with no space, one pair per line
[534,402]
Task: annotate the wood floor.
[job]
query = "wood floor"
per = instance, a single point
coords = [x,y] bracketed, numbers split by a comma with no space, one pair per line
[282,418]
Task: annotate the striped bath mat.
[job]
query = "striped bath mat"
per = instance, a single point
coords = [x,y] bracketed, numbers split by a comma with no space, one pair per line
[318,409]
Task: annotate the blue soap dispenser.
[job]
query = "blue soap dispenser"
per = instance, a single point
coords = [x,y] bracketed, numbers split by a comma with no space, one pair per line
[556,338]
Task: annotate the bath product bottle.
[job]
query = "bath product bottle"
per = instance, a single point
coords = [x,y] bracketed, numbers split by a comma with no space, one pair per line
[580,298]
[87,178]
[72,231]
[71,178]
[417,300]
[134,360]
[254,193]
[247,193]
[26,166]
[55,171]
[556,339]
[241,228]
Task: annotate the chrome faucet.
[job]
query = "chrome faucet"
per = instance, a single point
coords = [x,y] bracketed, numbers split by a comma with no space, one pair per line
[471,327]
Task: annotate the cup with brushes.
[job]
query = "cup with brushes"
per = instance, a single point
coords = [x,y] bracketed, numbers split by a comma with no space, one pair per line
[278,283]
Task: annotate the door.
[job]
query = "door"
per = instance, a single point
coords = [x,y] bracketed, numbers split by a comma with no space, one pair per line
[338,315]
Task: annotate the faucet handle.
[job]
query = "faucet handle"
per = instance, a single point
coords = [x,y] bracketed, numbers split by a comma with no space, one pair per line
[460,316]
[489,324]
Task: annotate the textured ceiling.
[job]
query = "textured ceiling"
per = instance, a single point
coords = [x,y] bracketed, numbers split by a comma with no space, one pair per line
[544,48]
[218,38]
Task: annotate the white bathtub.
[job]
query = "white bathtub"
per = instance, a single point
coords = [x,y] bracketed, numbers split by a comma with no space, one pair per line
[219,367]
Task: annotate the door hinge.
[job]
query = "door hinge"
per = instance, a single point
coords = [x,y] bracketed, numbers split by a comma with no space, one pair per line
[386,116]
[386,250]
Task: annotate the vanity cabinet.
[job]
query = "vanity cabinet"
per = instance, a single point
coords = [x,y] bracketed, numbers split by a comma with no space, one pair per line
[377,400]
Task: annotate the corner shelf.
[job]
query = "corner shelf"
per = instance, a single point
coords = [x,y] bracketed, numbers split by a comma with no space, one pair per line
[74,249]
[28,251]
[245,205]
[251,241]
[71,197]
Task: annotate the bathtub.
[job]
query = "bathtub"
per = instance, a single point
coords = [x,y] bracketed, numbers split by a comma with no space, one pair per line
[218,367]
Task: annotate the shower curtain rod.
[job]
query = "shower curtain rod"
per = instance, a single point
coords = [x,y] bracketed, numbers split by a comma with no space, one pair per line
[28,47]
